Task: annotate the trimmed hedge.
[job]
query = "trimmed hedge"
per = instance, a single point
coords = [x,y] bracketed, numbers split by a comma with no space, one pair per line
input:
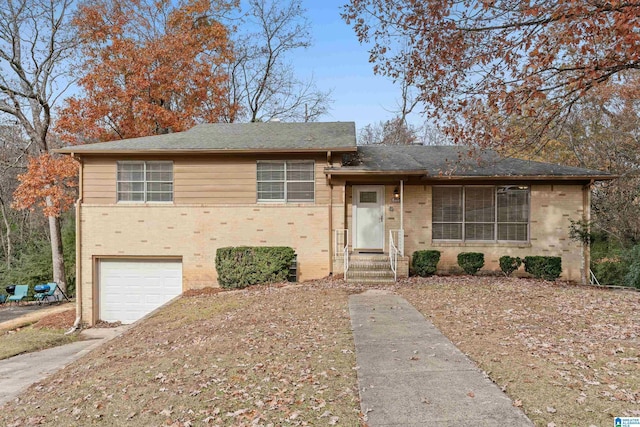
[543,267]
[509,264]
[471,262]
[424,263]
[239,267]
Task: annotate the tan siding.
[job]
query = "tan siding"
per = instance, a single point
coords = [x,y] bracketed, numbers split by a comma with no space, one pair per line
[322,186]
[99,181]
[218,180]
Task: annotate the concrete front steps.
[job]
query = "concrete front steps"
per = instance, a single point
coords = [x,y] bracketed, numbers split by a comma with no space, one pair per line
[369,268]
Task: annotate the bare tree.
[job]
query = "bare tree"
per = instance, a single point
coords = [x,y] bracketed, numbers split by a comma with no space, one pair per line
[395,131]
[263,84]
[36,41]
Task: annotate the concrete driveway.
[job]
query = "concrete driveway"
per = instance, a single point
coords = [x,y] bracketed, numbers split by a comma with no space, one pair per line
[13,311]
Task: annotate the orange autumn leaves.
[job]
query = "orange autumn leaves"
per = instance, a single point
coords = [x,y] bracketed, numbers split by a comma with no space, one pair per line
[49,183]
[480,66]
[150,68]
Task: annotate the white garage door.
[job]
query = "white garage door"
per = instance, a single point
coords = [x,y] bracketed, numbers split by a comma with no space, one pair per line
[130,289]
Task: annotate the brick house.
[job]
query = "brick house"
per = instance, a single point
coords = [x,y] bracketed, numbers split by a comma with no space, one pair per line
[152,211]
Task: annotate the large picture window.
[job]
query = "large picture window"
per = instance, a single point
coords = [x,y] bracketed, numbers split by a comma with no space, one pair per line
[286,181]
[140,181]
[481,213]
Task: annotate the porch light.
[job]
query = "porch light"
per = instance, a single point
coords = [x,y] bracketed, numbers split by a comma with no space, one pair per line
[396,195]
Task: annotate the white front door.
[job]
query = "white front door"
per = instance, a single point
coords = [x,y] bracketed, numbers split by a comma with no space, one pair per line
[368,217]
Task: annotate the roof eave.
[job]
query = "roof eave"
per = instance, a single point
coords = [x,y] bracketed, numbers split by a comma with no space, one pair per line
[76,152]
[362,172]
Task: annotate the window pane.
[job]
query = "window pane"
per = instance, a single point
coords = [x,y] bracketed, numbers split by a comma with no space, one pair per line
[513,204]
[270,191]
[131,187]
[512,232]
[299,171]
[160,197]
[131,171]
[131,197]
[479,205]
[160,187]
[300,191]
[447,204]
[447,231]
[368,197]
[478,231]
[272,171]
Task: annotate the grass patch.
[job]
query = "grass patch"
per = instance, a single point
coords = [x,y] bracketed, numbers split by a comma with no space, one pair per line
[29,339]
[283,356]
[568,355]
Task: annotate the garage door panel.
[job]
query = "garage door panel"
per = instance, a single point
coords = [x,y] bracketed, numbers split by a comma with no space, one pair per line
[130,289]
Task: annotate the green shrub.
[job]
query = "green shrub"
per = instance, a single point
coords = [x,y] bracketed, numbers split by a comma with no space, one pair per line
[424,263]
[632,260]
[543,267]
[471,262]
[610,273]
[509,264]
[239,267]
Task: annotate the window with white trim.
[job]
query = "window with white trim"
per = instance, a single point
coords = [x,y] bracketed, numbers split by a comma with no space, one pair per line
[144,181]
[481,213]
[286,181]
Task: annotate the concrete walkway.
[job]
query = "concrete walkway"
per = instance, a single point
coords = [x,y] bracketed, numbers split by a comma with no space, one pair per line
[409,374]
[19,372]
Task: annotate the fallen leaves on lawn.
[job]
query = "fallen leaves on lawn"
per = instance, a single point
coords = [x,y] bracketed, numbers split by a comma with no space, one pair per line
[263,356]
[555,345]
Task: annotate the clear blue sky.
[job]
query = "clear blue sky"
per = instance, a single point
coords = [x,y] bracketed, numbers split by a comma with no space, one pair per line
[340,63]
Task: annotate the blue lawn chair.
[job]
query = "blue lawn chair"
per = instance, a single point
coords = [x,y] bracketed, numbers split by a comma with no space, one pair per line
[49,292]
[3,298]
[19,294]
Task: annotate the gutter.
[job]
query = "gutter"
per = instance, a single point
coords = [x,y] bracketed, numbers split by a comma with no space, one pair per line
[426,177]
[187,151]
[77,324]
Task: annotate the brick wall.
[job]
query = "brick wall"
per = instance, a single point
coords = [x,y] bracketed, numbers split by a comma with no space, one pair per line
[195,232]
[552,208]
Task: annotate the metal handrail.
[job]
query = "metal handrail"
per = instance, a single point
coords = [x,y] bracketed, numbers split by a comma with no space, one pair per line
[342,245]
[393,255]
[593,280]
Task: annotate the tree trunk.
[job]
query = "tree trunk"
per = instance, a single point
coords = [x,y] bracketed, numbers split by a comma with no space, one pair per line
[57,256]
[59,275]
[8,234]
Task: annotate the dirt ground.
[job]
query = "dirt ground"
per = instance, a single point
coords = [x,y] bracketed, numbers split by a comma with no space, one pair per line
[62,320]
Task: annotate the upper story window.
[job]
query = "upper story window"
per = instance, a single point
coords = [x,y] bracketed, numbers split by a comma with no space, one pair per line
[481,213]
[150,181]
[286,181]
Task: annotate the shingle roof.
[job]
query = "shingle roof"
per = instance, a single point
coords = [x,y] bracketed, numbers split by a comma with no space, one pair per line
[454,161]
[236,137]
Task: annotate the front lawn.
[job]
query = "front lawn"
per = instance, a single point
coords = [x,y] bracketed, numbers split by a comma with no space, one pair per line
[47,332]
[568,355]
[266,356]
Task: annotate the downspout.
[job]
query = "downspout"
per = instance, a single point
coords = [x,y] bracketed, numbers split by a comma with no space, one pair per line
[330,227]
[78,322]
[586,247]
[402,215]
